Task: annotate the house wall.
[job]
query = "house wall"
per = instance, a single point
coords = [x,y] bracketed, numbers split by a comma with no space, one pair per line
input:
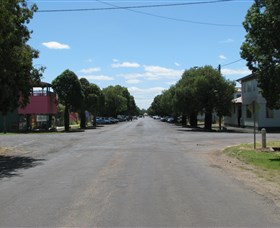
[232,120]
[250,94]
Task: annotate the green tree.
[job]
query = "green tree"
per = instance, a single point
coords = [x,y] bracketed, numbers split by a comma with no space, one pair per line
[17,73]
[224,96]
[118,101]
[94,101]
[261,48]
[69,91]
[85,88]
[156,108]
[185,100]
[115,103]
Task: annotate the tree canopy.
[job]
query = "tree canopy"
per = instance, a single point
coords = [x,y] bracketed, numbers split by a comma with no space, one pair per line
[69,91]
[261,47]
[118,101]
[93,100]
[200,90]
[17,73]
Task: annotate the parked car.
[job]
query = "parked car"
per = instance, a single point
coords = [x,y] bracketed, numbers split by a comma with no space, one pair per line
[170,120]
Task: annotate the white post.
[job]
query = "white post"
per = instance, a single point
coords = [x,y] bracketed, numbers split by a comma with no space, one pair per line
[263,138]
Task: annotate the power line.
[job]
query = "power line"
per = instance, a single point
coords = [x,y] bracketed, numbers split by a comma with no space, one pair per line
[132,7]
[175,19]
[231,62]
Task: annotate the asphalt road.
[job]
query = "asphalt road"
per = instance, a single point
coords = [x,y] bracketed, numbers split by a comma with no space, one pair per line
[142,173]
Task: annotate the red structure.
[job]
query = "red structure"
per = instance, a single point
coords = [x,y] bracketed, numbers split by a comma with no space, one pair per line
[42,101]
[38,114]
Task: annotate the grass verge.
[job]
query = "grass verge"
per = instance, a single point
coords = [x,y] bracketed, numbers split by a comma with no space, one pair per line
[266,162]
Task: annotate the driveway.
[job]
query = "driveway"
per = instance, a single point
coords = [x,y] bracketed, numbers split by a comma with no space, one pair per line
[142,173]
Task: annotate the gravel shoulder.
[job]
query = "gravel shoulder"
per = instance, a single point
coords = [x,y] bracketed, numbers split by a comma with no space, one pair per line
[256,179]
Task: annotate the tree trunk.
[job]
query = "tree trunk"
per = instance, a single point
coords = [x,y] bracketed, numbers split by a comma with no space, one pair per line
[193,119]
[220,123]
[5,123]
[184,120]
[94,121]
[66,118]
[208,120]
[83,119]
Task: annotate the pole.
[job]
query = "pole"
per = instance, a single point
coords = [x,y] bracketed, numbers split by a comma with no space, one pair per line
[254,117]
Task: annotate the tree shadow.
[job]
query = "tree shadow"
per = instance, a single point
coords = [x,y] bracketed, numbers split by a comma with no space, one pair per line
[10,165]
[275,159]
[203,130]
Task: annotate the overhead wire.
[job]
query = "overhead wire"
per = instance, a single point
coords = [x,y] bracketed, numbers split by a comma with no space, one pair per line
[231,63]
[177,19]
[132,9]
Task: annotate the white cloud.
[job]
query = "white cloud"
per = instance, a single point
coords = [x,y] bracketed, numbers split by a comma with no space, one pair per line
[115,60]
[144,97]
[227,71]
[55,45]
[133,81]
[171,83]
[154,73]
[125,65]
[98,77]
[157,72]
[148,91]
[223,57]
[227,41]
[177,64]
[90,70]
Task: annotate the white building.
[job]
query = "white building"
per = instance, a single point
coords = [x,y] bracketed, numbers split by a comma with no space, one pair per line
[251,107]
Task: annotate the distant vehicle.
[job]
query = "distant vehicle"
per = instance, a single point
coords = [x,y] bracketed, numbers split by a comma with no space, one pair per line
[170,120]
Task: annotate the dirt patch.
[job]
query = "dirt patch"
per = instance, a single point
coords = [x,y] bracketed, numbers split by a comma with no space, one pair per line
[260,181]
[7,151]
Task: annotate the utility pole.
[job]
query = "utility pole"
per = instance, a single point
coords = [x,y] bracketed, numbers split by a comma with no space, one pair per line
[219,68]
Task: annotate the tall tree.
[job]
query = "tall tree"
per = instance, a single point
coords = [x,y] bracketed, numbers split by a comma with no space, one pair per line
[69,91]
[17,73]
[224,96]
[261,47]
[85,88]
[118,101]
[94,101]
[185,97]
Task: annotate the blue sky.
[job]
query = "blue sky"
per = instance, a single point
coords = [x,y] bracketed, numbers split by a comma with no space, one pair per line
[143,52]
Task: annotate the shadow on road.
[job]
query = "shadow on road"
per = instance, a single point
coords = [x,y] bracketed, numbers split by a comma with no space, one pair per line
[10,165]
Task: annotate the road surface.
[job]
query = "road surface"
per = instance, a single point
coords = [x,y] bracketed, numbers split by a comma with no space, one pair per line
[142,173]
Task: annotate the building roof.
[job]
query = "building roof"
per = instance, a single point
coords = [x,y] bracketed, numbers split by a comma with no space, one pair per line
[246,78]
[41,84]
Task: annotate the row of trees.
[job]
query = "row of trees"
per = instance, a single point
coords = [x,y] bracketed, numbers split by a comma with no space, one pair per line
[261,50]
[80,95]
[200,90]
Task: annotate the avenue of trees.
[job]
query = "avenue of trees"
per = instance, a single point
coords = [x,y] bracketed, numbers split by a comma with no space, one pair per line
[79,95]
[201,90]
[261,48]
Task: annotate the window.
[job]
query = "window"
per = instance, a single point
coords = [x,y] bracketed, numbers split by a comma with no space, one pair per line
[248,112]
[269,113]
